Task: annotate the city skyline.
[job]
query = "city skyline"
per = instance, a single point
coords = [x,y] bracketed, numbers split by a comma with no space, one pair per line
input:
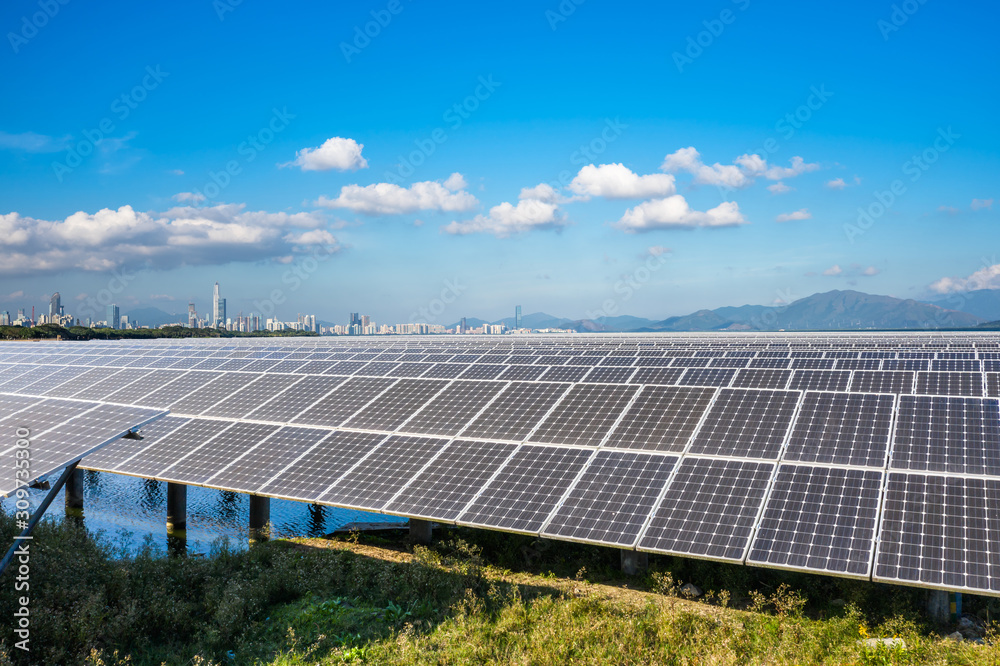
[689,175]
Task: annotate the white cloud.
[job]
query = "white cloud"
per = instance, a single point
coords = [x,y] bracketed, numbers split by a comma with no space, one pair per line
[194,198]
[540,192]
[674,212]
[392,199]
[158,297]
[779,188]
[833,270]
[871,270]
[456,182]
[951,210]
[335,153]
[987,277]
[109,239]
[30,142]
[836,184]
[980,204]
[742,173]
[800,214]
[616,181]
[507,219]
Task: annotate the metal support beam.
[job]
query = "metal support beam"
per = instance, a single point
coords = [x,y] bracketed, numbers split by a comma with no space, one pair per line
[260,518]
[634,562]
[177,517]
[20,541]
[420,531]
[74,494]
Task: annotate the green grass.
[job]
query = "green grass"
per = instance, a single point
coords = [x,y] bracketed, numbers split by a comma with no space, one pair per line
[472,598]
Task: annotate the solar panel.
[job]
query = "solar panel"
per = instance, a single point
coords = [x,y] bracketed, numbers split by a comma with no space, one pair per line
[515,412]
[993,384]
[134,392]
[526,490]
[709,509]
[162,451]
[376,479]
[950,383]
[762,378]
[307,477]
[708,377]
[820,380]
[52,380]
[662,376]
[202,463]
[346,399]
[295,399]
[661,418]
[610,502]
[565,373]
[450,482]
[746,423]
[585,415]
[255,394]
[611,375]
[398,403]
[935,532]
[882,381]
[947,434]
[453,408]
[819,519]
[842,429]
[522,373]
[166,396]
[113,454]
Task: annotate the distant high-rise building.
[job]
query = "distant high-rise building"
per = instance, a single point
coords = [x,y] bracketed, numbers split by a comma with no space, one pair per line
[215,306]
[463,327]
[55,305]
[517,317]
[354,328]
[114,316]
[4,318]
[192,316]
[222,312]
[366,320]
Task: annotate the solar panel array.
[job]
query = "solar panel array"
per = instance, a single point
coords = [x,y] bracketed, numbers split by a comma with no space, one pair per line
[43,435]
[859,455]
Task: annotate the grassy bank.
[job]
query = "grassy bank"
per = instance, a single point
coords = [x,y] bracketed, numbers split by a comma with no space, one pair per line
[473,597]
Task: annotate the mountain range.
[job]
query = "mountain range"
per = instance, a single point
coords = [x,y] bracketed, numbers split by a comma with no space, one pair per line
[832,310]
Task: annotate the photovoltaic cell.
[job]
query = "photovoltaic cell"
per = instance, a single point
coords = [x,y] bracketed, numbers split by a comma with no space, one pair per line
[113,454]
[296,398]
[746,423]
[522,373]
[762,378]
[134,392]
[374,481]
[662,418]
[654,375]
[820,380]
[940,434]
[936,531]
[179,388]
[585,415]
[164,451]
[708,377]
[709,509]
[841,428]
[565,373]
[819,519]
[882,381]
[526,490]
[450,482]
[216,390]
[612,499]
[246,400]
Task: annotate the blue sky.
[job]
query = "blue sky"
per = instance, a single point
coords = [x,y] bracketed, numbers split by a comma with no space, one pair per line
[612,158]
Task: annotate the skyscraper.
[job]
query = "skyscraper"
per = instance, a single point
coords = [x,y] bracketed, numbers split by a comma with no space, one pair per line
[114,316]
[192,316]
[517,317]
[222,313]
[55,305]
[462,328]
[355,326]
[215,305]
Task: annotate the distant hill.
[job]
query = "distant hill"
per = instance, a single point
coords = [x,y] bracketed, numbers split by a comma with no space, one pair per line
[154,317]
[832,310]
[984,303]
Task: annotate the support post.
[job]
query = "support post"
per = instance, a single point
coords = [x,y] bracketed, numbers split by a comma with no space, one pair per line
[74,494]
[176,517]
[938,606]
[260,518]
[420,531]
[21,541]
[634,562]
